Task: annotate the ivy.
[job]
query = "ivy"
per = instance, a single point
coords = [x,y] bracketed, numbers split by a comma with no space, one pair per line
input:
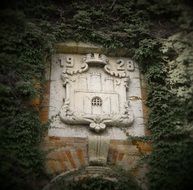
[116,178]
[157,34]
[169,119]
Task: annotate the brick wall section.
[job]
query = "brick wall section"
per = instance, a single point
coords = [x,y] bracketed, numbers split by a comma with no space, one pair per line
[65,154]
[123,153]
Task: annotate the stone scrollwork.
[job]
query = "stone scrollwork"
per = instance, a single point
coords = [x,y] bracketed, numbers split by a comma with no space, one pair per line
[97,126]
[96,123]
[65,78]
[83,68]
[115,73]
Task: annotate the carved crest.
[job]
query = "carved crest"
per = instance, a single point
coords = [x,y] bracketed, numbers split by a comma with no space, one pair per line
[96,92]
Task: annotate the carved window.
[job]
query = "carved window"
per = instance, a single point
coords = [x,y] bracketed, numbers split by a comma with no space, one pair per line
[96,101]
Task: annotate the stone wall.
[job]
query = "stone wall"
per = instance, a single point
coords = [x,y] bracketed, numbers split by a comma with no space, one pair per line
[68,153]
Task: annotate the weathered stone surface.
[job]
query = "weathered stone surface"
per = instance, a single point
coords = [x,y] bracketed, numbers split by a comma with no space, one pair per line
[72,99]
[114,107]
[98,148]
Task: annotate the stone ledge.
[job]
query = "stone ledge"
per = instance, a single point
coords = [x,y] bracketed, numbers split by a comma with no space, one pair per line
[82,48]
[77,47]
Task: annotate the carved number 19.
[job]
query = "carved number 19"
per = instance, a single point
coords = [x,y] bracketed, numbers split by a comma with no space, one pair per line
[69,61]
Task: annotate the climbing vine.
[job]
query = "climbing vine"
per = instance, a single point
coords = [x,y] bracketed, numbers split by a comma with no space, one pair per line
[116,178]
[157,34]
[171,116]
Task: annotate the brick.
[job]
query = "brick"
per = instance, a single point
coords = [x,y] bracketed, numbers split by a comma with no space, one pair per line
[76,159]
[54,138]
[80,156]
[44,116]
[63,166]
[144,147]
[53,166]
[114,156]
[35,102]
[128,149]
[70,158]
[120,156]
[80,140]
[119,142]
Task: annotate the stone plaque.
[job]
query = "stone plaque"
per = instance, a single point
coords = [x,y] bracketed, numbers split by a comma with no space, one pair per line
[92,92]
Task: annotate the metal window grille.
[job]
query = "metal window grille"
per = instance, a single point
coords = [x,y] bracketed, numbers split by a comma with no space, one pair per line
[96,101]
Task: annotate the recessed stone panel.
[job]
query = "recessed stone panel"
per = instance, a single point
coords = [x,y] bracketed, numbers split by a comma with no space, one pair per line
[94,94]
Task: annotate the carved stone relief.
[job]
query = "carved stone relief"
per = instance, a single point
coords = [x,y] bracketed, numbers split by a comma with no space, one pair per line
[95,92]
[98,148]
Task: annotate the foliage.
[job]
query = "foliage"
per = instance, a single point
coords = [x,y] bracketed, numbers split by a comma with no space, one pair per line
[21,131]
[170,121]
[28,31]
[116,178]
[171,117]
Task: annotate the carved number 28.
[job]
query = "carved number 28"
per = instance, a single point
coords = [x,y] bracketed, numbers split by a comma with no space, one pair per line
[121,65]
